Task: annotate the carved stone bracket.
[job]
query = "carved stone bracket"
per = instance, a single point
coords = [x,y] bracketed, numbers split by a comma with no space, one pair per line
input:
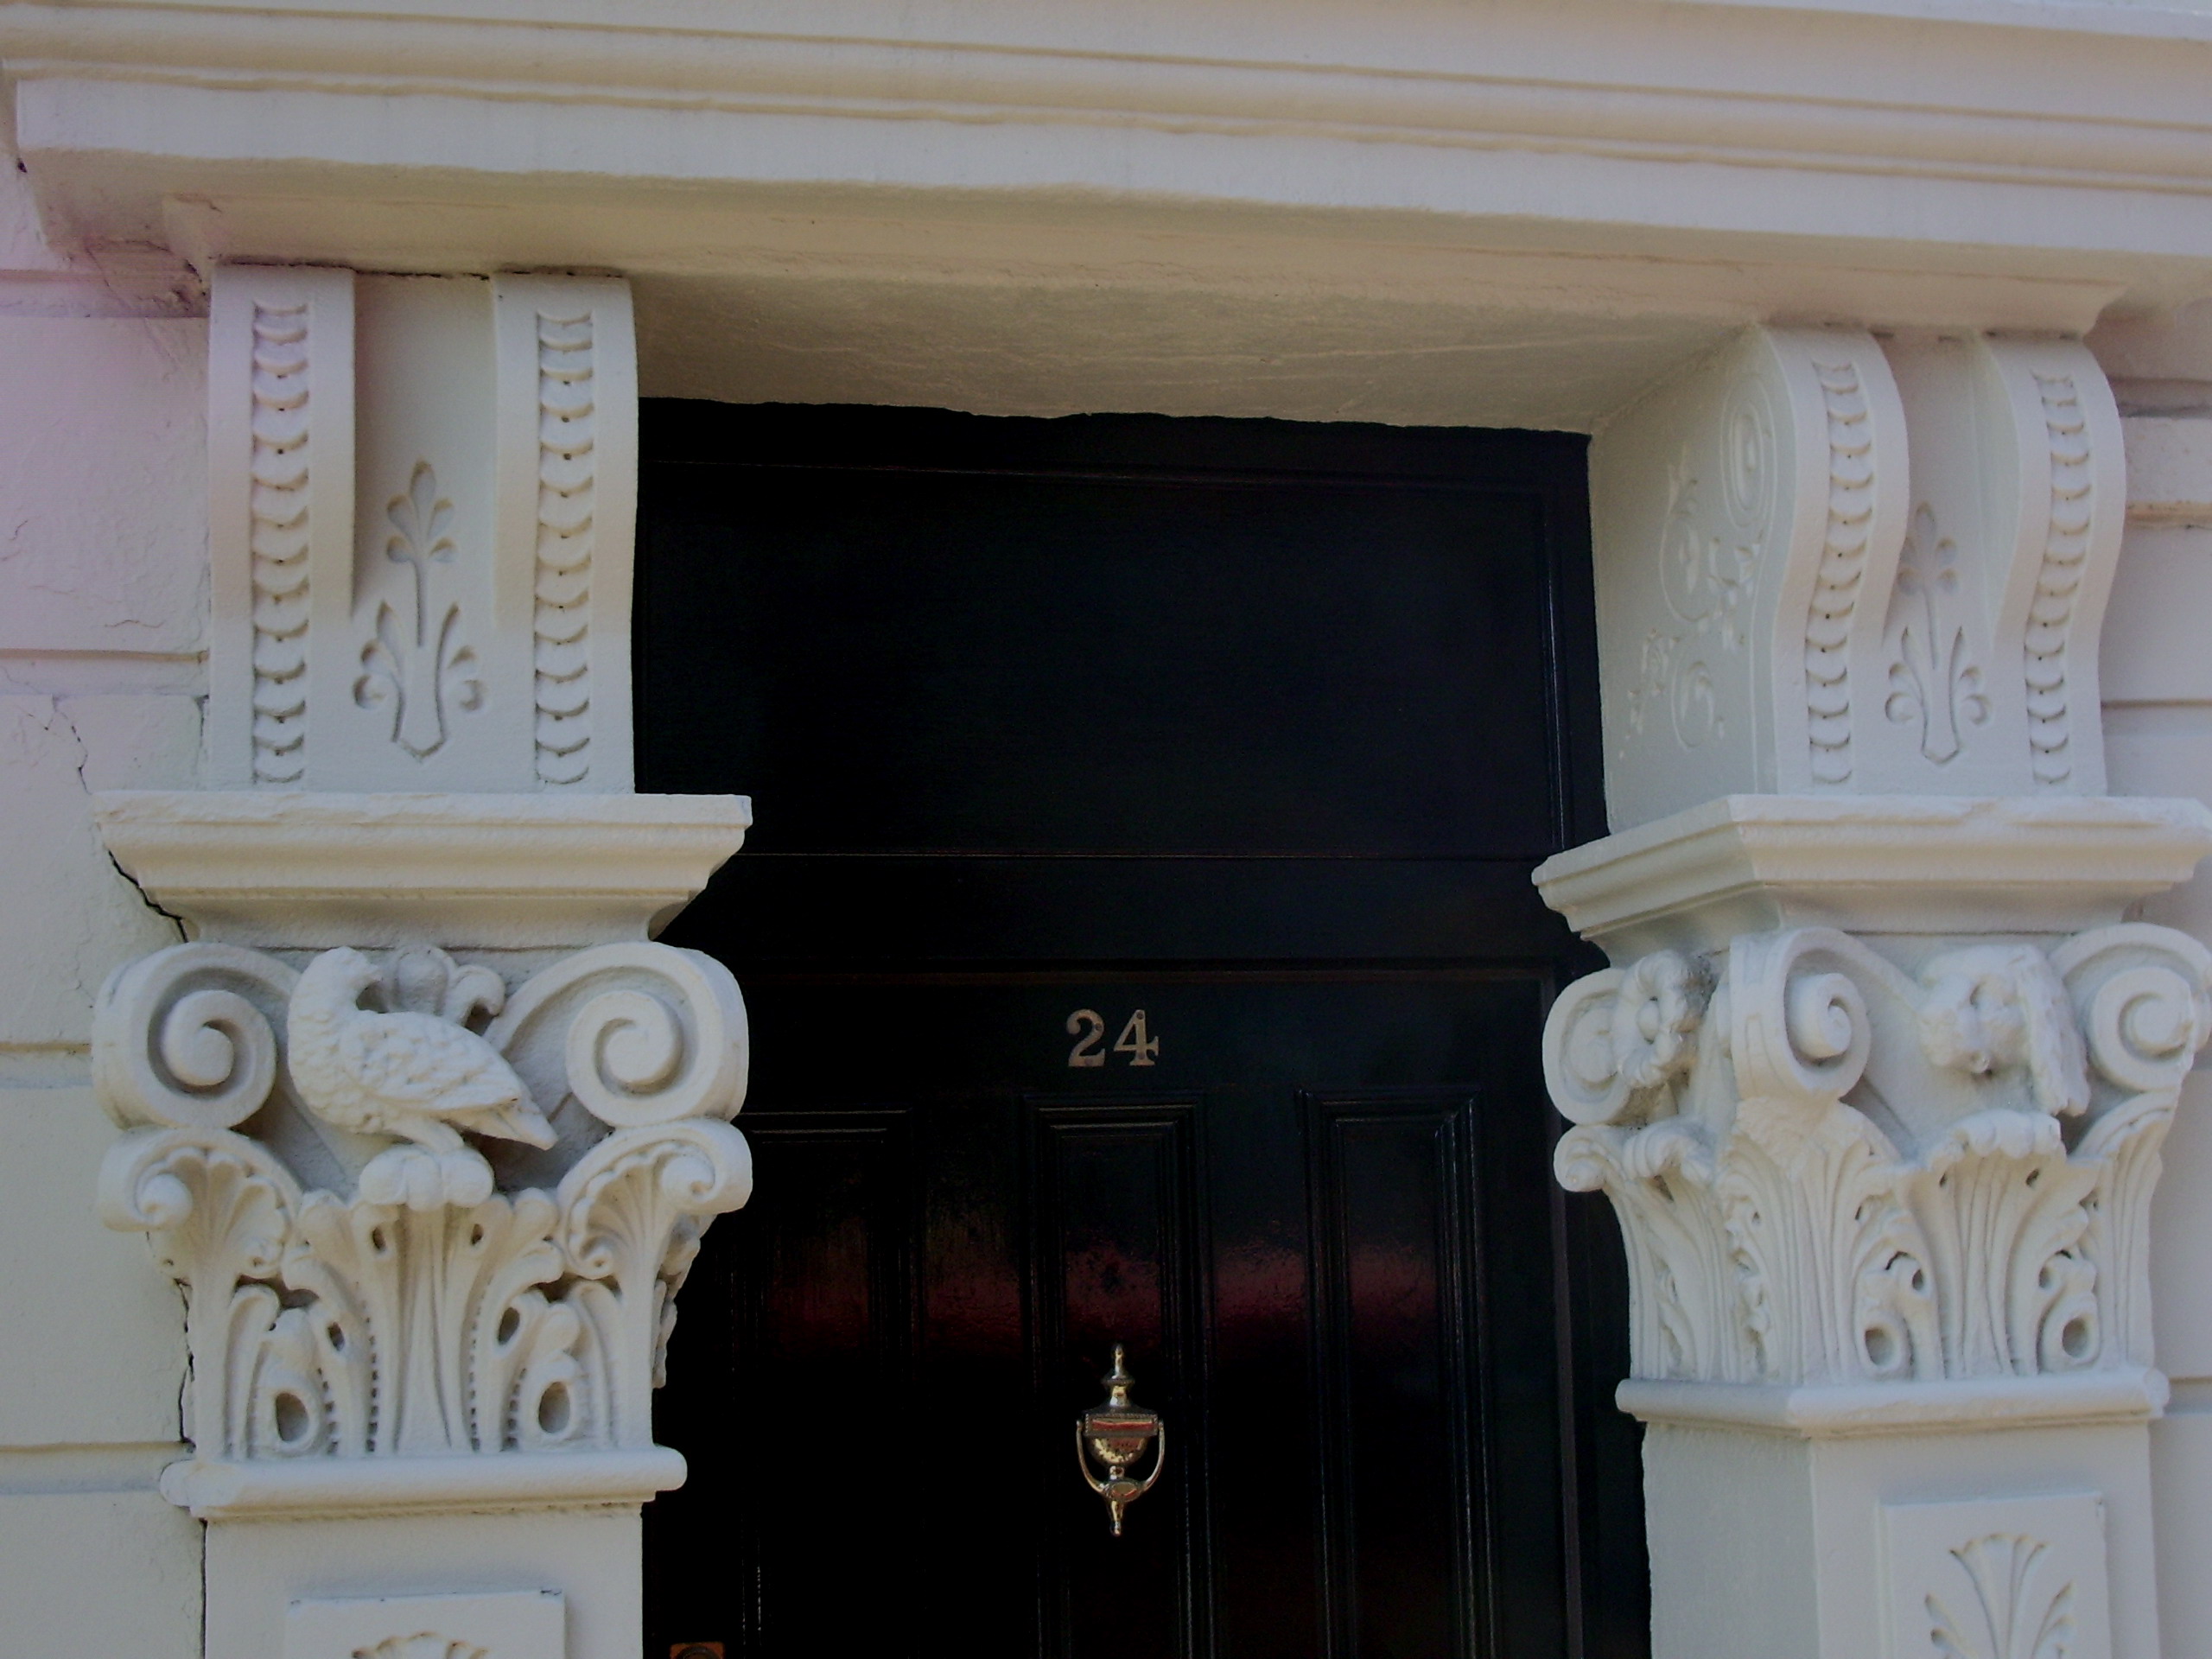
[419,1219]
[421,495]
[1830,563]
[1831,1171]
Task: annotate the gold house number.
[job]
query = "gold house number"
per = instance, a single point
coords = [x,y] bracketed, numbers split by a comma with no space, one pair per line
[1087,1027]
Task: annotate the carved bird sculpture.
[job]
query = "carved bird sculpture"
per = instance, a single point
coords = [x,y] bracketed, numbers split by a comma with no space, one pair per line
[408,1074]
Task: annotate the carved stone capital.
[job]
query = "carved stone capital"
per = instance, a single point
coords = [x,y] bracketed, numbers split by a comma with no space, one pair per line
[429,1229]
[1831,1172]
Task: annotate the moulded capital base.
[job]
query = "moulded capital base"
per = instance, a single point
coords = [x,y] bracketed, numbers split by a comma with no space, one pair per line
[216,1490]
[1844,1410]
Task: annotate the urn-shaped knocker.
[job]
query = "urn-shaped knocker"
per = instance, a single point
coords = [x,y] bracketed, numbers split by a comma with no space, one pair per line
[1115,1436]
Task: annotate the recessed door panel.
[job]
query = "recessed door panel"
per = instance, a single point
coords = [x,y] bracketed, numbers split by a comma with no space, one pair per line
[1116,1262]
[1396,1317]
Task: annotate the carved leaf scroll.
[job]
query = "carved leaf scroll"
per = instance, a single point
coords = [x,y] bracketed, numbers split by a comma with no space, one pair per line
[1829,1171]
[387,1321]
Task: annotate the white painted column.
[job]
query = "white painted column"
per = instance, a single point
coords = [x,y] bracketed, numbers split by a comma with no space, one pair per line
[1877,1082]
[424,1126]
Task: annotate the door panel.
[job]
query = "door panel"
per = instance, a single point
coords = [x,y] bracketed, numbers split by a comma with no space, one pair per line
[1115,1256]
[1394,1319]
[1141,948]
[1285,1217]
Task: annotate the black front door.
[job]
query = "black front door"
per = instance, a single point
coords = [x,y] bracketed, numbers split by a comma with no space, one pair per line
[1141,952]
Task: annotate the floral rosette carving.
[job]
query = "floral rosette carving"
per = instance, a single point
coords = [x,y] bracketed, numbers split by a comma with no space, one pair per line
[413,1214]
[1828,1170]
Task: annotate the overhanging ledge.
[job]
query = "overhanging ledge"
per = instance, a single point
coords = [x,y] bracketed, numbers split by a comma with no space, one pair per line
[301,869]
[1875,863]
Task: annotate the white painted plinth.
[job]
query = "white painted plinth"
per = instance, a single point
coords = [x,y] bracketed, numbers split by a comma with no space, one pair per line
[257,1570]
[1767,1544]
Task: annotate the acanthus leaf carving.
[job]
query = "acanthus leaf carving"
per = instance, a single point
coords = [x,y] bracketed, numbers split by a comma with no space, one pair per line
[2140,994]
[1830,1264]
[1830,1171]
[419,1309]
[632,1212]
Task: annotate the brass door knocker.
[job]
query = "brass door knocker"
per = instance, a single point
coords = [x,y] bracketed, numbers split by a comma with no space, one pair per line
[1116,1435]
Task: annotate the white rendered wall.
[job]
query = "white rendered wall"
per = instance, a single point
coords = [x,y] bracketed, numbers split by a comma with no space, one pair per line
[102,600]
[2157,688]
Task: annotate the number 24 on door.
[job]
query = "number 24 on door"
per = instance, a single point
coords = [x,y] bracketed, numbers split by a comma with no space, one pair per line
[1087,1027]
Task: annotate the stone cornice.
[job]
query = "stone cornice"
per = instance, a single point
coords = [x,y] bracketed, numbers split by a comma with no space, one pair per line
[295,869]
[118,105]
[1875,863]
[1601,105]
[1437,81]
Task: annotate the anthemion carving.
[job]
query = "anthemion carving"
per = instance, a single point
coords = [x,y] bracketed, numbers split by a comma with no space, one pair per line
[281,426]
[414,1213]
[420,666]
[1934,679]
[1830,1171]
[2022,1606]
[566,476]
[423,1644]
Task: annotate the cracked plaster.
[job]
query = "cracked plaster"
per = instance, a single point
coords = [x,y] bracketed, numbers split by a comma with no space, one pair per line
[58,885]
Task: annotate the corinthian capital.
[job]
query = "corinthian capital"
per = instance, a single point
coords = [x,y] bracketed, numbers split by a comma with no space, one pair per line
[1828,1169]
[416,1215]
